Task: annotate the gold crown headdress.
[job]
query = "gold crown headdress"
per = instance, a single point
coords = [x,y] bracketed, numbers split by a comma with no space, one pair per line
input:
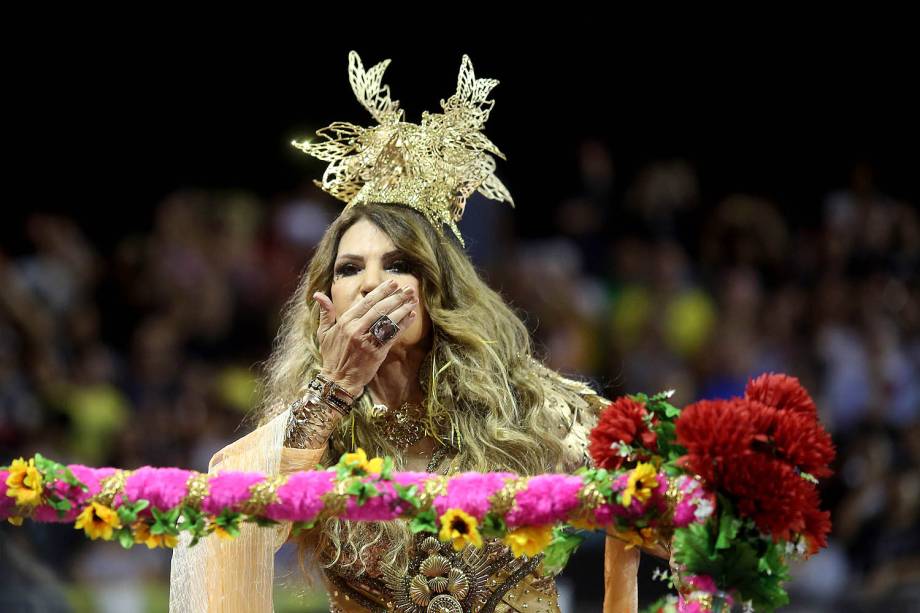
[433,167]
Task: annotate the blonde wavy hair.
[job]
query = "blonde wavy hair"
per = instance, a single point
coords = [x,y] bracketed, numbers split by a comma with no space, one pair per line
[483,390]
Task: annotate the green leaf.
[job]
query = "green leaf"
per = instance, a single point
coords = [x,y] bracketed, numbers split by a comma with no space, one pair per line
[386,474]
[165,521]
[757,577]
[125,538]
[728,530]
[493,526]
[808,477]
[601,479]
[670,411]
[426,521]
[362,491]
[560,549]
[301,526]
[128,511]
[262,522]
[694,547]
[771,562]
[229,521]
[194,521]
[408,494]
[59,504]
[662,396]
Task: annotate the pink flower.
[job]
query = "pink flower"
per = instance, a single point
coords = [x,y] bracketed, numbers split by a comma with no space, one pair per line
[547,499]
[90,477]
[383,507]
[471,492]
[695,505]
[703,583]
[229,490]
[300,498]
[163,487]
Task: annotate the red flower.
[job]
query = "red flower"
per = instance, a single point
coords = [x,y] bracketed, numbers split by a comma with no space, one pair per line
[817,524]
[715,434]
[755,453]
[623,421]
[802,440]
[781,392]
[770,492]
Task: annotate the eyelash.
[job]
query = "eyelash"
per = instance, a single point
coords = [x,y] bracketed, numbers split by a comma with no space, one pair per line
[344,269]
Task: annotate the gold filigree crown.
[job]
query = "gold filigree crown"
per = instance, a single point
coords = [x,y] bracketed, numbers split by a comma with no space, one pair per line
[433,167]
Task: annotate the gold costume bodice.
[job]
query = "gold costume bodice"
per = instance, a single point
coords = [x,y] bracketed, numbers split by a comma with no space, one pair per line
[441,580]
[491,580]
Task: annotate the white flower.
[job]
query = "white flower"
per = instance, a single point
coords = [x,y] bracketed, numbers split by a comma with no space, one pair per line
[704,509]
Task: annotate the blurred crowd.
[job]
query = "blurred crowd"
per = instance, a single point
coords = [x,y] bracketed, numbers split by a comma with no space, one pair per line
[147,351]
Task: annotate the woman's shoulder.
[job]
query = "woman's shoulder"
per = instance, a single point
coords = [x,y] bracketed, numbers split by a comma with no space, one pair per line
[572,406]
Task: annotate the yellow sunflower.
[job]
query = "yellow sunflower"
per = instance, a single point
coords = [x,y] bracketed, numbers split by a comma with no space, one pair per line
[24,483]
[529,540]
[222,533]
[460,528]
[642,481]
[646,537]
[98,521]
[358,459]
[586,522]
[141,531]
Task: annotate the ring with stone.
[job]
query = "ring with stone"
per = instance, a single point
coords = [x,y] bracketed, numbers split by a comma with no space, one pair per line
[383,329]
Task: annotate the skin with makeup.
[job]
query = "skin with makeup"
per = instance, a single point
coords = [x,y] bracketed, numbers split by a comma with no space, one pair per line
[370,280]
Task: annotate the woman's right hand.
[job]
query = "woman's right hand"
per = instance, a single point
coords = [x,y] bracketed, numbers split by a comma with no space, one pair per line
[350,353]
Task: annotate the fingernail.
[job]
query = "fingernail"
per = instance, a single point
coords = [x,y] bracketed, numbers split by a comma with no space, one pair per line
[392,284]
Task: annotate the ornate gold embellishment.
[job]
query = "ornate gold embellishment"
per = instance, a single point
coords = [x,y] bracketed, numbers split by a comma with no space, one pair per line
[401,426]
[198,487]
[433,167]
[434,487]
[111,486]
[513,579]
[444,581]
[502,501]
[672,497]
[335,500]
[263,494]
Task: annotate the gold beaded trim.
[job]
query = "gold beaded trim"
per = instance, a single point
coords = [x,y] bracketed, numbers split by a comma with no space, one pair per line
[263,494]
[198,487]
[502,501]
[111,486]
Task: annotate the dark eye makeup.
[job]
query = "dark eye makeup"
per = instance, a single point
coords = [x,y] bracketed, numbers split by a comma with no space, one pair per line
[347,269]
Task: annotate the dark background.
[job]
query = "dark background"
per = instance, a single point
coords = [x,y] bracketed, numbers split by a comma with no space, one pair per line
[128,141]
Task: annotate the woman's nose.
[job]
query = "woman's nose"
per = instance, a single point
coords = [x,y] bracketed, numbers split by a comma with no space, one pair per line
[372,278]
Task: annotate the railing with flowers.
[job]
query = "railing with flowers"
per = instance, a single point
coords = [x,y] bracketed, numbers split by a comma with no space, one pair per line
[730,485]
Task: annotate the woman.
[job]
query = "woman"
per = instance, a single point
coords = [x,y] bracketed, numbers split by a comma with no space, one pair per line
[394,344]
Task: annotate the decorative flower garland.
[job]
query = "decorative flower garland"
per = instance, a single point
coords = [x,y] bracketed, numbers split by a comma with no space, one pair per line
[729,485]
[154,505]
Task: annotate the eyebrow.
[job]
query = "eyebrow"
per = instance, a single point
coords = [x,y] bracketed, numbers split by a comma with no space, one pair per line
[360,258]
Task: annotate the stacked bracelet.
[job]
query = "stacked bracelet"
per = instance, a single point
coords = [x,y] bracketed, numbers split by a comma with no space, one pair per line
[332,394]
[311,419]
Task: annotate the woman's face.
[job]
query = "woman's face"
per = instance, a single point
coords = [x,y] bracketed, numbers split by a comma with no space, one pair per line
[366,258]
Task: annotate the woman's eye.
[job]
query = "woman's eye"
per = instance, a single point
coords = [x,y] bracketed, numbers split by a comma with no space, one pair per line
[345,270]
